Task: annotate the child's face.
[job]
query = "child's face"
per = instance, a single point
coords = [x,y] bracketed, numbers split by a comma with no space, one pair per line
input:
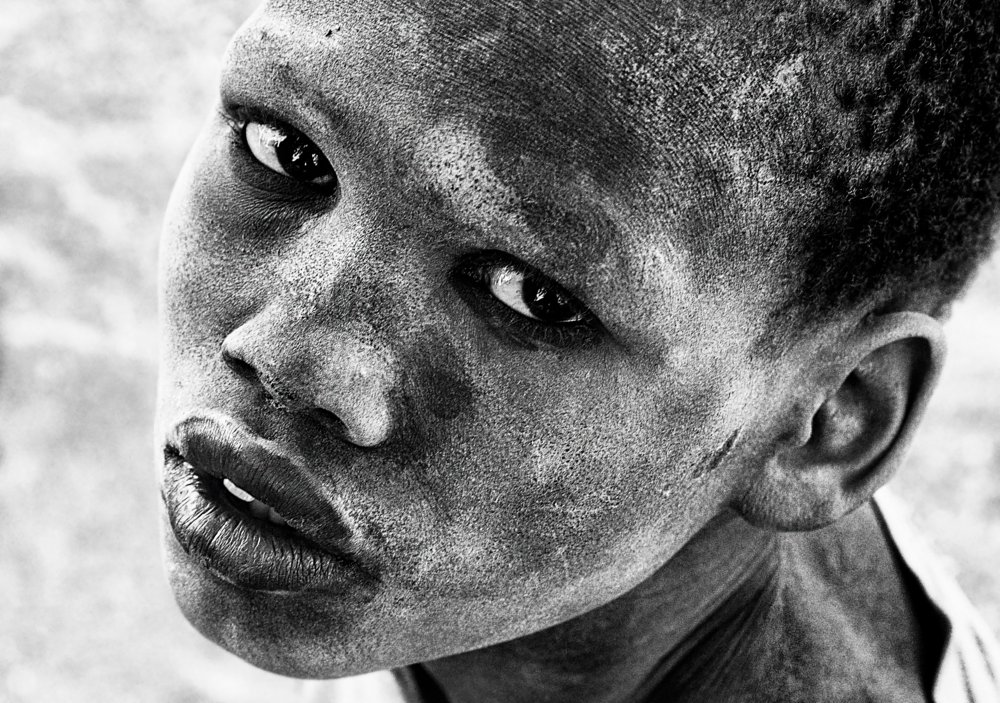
[489,474]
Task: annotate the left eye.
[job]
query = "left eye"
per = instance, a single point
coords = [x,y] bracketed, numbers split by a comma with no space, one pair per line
[288,152]
[534,296]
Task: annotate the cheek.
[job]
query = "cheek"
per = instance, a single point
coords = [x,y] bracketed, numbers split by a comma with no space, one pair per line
[573,482]
[449,390]
[200,278]
[215,255]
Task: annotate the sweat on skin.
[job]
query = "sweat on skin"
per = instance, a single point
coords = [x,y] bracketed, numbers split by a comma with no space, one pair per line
[582,506]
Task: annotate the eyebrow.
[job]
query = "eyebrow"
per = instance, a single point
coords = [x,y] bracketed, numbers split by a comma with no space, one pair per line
[261,70]
[455,160]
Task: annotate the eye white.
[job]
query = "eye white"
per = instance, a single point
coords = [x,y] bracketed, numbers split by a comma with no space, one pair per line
[263,140]
[507,285]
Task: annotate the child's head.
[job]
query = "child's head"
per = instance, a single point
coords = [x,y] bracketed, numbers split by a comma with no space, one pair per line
[473,294]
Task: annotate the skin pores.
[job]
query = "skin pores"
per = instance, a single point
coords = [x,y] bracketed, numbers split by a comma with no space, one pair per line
[356,351]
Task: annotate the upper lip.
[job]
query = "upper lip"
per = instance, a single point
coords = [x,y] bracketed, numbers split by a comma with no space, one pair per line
[221,447]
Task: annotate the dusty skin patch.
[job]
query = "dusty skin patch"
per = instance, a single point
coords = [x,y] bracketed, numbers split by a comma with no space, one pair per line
[454,159]
[94,619]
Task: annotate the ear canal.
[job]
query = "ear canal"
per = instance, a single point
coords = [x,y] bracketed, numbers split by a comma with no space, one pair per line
[845,460]
[858,422]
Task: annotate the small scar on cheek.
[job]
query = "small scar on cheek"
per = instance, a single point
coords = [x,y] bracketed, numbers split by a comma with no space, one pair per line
[712,461]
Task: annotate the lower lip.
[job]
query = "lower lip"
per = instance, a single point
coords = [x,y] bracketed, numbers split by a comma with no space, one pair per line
[242,550]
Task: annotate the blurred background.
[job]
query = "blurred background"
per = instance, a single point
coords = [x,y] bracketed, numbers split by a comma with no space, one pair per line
[99,101]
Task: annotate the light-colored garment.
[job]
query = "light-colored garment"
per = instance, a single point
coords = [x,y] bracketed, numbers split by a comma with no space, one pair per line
[970,666]
[377,687]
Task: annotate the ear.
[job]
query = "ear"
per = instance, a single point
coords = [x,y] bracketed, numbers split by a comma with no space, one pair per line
[846,425]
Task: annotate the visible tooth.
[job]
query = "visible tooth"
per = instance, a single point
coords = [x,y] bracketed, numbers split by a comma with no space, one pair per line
[259,509]
[237,491]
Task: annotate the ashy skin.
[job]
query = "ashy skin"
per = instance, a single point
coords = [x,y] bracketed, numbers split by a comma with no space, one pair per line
[573,505]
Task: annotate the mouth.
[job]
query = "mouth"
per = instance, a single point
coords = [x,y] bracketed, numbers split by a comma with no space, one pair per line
[248,505]
[251,514]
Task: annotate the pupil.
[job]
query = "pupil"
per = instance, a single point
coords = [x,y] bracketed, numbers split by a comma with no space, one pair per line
[546,304]
[301,160]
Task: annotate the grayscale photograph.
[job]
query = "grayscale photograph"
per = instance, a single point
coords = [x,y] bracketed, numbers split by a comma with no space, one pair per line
[525,351]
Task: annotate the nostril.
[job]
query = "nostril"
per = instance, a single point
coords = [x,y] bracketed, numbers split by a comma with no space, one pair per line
[240,367]
[330,421]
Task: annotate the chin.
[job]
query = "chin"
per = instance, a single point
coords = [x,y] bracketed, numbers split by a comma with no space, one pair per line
[295,634]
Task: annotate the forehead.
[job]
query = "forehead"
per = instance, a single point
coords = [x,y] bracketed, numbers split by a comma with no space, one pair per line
[574,132]
[586,69]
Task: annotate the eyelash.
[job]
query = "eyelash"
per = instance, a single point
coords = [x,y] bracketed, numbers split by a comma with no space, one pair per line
[257,174]
[473,274]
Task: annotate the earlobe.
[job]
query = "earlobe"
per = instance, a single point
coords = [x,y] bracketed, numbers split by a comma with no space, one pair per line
[849,442]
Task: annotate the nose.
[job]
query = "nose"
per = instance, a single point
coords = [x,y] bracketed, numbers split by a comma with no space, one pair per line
[335,376]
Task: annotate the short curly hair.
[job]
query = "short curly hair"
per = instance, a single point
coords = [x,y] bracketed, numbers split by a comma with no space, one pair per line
[902,146]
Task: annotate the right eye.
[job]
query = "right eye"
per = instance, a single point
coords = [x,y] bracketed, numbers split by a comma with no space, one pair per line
[288,152]
[521,300]
[281,148]
[534,296]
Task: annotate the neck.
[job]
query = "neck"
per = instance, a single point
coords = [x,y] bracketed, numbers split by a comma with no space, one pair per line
[708,604]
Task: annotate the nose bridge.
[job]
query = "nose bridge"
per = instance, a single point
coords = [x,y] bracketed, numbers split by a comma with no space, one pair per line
[344,270]
[319,267]
[307,362]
